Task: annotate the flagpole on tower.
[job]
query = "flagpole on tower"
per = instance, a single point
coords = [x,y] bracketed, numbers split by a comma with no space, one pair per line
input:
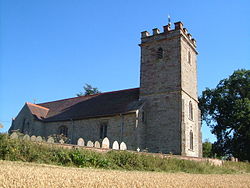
[169,21]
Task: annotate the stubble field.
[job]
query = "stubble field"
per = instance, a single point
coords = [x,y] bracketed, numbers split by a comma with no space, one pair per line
[19,174]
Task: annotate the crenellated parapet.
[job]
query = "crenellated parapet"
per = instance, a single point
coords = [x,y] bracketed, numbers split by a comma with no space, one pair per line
[167,33]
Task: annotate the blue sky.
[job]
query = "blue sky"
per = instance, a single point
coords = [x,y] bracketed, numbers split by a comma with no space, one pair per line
[50,48]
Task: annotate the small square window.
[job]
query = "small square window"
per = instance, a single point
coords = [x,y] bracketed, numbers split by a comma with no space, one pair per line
[159,53]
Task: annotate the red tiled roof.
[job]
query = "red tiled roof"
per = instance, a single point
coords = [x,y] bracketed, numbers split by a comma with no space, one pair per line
[39,111]
[102,104]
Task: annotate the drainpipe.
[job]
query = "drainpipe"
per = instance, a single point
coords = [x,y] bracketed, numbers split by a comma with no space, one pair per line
[73,131]
[136,129]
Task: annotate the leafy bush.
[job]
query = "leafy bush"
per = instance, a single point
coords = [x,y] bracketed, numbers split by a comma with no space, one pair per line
[59,137]
[125,160]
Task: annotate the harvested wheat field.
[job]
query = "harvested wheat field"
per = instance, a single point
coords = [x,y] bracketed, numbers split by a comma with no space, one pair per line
[19,174]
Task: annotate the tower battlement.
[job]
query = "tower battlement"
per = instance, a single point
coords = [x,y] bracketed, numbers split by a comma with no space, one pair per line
[168,32]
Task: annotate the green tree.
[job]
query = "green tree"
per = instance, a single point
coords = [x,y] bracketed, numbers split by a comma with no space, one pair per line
[207,149]
[88,90]
[226,110]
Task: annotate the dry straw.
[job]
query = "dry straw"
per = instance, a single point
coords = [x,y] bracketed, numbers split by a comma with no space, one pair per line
[20,174]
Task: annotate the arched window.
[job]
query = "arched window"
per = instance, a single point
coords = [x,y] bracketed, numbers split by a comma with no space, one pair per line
[189,57]
[23,125]
[27,127]
[103,130]
[191,116]
[63,130]
[191,135]
[159,53]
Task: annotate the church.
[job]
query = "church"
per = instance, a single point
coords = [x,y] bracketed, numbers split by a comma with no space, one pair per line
[161,116]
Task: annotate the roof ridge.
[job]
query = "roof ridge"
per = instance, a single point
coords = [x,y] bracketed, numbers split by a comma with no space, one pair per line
[85,96]
[28,103]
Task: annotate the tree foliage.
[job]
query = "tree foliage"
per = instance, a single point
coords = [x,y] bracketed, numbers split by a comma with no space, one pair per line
[207,149]
[226,109]
[88,90]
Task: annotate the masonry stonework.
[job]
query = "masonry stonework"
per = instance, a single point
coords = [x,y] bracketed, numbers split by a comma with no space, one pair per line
[168,85]
[160,116]
[89,129]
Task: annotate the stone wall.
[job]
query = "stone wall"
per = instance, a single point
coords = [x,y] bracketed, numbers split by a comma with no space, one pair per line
[189,94]
[160,88]
[24,122]
[168,83]
[160,75]
[121,128]
[163,123]
[188,68]
[190,125]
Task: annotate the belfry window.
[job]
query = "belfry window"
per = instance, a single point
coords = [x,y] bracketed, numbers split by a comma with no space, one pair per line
[191,113]
[159,53]
[191,135]
[103,130]
[189,57]
[63,130]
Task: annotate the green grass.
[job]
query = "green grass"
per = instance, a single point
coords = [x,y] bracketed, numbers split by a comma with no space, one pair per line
[16,150]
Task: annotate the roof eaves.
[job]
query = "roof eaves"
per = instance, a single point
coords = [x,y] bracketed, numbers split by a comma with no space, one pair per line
[90,117]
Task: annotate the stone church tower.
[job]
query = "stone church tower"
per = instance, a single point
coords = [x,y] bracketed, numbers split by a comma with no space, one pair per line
[168,86]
